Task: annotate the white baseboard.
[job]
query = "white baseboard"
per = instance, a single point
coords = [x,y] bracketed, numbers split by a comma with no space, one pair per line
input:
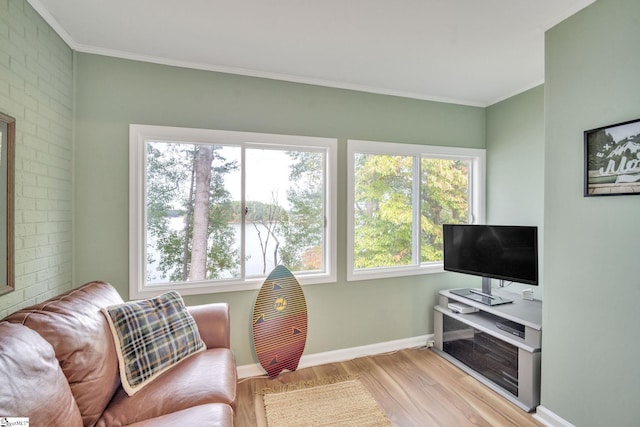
[549,418]
[246,371]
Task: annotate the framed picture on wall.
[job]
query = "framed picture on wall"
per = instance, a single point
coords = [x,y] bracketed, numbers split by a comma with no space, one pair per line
[612,160]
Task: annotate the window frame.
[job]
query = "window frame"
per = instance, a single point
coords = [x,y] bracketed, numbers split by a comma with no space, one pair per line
[477,199]
[140,134]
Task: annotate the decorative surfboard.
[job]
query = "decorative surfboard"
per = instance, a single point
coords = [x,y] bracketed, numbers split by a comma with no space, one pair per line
[280,322]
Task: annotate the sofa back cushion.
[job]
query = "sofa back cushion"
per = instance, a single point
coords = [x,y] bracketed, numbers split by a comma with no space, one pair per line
[79,334]
[32,382]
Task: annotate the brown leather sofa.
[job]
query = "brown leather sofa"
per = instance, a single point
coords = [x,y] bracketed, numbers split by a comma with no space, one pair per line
[58,366]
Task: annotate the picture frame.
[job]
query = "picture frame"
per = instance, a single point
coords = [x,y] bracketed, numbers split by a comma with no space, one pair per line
[612,160]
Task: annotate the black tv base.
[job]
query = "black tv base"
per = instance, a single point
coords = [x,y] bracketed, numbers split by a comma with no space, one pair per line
[481,297]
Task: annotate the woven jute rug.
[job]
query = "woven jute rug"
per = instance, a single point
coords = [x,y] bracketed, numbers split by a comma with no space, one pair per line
[330,402]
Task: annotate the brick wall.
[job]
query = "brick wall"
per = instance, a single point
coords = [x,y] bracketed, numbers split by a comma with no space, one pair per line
[36,88]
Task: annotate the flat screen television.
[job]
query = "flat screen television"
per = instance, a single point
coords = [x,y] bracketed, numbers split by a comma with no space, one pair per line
[503,252]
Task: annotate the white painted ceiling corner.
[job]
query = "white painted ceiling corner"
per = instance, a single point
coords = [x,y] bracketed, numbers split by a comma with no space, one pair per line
[468,52]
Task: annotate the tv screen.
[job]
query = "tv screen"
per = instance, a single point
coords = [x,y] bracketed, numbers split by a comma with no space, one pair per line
[494,251]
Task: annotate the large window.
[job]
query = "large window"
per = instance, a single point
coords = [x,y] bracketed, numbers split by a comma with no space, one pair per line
[399,197]
[215,211]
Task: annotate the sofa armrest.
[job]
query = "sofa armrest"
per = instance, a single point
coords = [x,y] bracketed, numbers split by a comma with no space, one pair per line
[213,324]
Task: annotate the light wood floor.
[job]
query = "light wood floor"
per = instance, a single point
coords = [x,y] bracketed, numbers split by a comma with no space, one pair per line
[414,387]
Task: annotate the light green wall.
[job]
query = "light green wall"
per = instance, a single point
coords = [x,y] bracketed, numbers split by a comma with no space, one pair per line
[515,166]
[36,88]
[590,369]
[112,93]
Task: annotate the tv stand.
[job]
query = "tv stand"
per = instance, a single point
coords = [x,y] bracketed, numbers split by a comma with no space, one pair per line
[506,359]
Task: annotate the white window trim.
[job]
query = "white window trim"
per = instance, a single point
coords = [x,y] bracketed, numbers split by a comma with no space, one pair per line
[477,157]
[139,134]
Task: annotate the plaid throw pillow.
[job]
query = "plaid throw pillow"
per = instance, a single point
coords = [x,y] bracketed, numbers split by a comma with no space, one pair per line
[150,337]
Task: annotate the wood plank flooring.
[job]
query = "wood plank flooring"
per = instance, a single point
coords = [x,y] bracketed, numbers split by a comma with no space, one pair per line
[414,387]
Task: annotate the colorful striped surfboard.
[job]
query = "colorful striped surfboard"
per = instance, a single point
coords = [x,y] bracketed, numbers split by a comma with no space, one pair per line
[280,322]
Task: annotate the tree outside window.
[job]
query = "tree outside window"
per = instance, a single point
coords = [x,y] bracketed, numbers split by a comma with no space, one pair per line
[401,196]
[225,213]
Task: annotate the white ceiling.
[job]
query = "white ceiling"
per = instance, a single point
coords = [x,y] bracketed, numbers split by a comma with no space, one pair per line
[473,52]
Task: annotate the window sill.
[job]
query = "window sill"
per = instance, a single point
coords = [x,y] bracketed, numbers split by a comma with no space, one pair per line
[209,287]
[387,272]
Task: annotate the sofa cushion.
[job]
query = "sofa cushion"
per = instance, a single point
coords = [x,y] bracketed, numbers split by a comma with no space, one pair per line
[79,334]
[206,377]
[211,415]
[151,336]
[31,380]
